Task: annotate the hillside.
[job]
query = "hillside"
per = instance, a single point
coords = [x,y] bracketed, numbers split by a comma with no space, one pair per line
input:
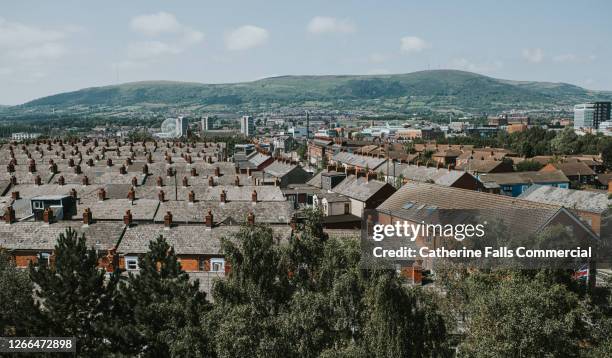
[435,90]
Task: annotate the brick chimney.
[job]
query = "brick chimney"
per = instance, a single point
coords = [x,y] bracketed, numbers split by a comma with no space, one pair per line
[71,162]
[160,181]
[85,180]
[61,180]
[48,216]
[13,180]
[109,162]
[32,166]
[188,158]
[87,218]
[131,194]
[77,169]
[101,194]
[168,220]
[251,218]
[191,196]
[211,181]
[145,169]
[134,181]
[73,193]
[122,170]
[90,162]
[194,173]
[9,215]
[10,167]
[217,171]
[128,161]
[127,218]
[208,219]
[169,172]
[53,168]
[185,182]
[15,195]
[161,196]
[37,180]
[223,196]
[237,181]
[254,196]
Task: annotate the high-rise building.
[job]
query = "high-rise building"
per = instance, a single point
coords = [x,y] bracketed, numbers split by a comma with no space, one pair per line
[590,115]
[208,123]
[247,126]
[182,126]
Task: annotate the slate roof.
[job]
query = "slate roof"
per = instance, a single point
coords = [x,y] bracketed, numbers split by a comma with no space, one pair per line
[279,169]
[415,201]
[186,239]
[270,212]
[572,199]
[357,160]
[480,166]
[574,169]
[358,188]
[141,209]
[525,178]
[38,236]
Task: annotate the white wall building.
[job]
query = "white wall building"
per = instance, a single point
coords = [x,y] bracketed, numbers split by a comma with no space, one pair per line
[24,136]
[247,126]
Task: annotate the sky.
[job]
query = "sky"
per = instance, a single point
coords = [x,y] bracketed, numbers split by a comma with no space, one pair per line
[48,47]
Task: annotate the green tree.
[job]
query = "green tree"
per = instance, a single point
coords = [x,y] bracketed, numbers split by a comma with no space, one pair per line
[564,142]
[18,312]
[528,165]
[165,309]
[75,295]
[520,316]
[606,156]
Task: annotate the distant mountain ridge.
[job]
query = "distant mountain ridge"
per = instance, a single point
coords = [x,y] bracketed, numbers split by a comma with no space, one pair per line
[399,93]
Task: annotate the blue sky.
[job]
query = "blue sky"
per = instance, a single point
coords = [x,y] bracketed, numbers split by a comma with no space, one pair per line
[48,47]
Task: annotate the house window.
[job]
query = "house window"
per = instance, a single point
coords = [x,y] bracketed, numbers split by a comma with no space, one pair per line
[43,259]
[217,265]
[38,205]
[131,263]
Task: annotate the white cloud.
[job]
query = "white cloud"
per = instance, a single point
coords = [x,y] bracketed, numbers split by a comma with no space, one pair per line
[465,64]
[149,49]
[533,55]
[156,24]
[411,44]
[5,71]
[24,42]
[246,37]
[324,24]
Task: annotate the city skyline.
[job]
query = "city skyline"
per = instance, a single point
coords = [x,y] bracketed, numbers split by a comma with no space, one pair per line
[48,48]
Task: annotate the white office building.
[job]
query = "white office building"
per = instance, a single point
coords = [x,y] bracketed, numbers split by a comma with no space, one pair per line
[247,126]
[298,132]
[208,123]
[584,115]
[24,136]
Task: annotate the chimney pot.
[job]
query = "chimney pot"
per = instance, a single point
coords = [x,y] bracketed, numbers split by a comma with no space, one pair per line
[87,217]
[85,180]
[37,180]
[101,194]
[73,193]
[211,181]
[251,218]
[145,169]
[194,173]
[254,196]
[109,162]
[161,196]
[132,194]
[185,181]
[160,182]
[127,218]
[61,180]
[217,171]
[134,181]
[223,196]
[9,215]
[48,216]
[191,196]
[208,219]
[15,195]
[168,219]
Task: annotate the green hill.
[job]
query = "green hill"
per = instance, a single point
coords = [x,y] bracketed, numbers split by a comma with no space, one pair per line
[402,93]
